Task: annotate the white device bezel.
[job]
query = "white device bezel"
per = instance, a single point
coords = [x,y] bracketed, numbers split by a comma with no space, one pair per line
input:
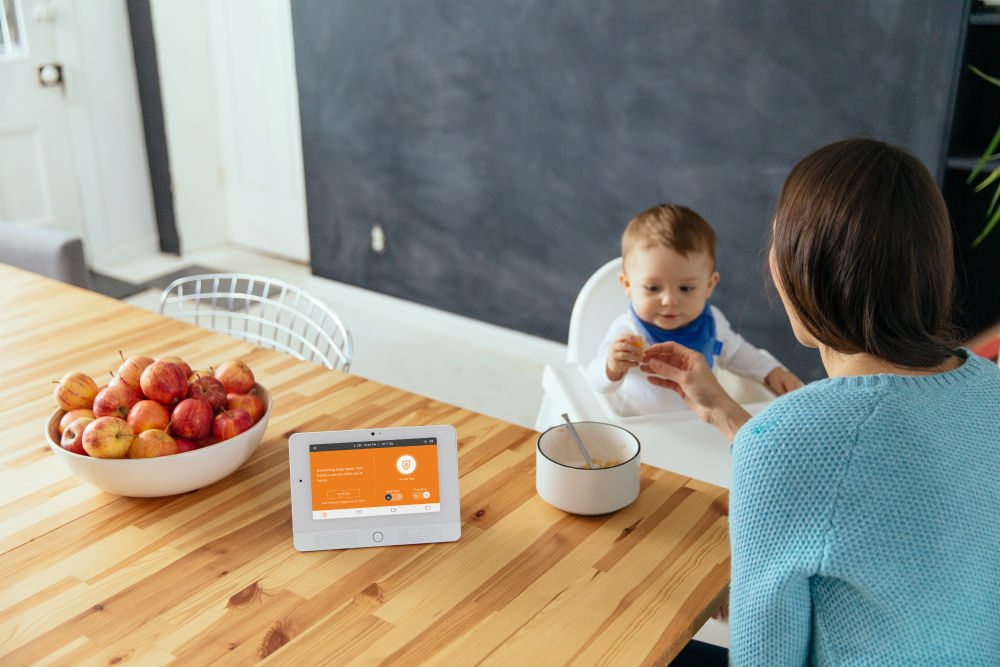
[374,531]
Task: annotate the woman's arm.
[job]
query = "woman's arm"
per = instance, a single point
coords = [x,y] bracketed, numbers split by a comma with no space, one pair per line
[779,508]
[685,371]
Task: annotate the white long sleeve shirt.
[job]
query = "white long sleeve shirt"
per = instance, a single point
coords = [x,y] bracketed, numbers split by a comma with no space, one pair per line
[635,395]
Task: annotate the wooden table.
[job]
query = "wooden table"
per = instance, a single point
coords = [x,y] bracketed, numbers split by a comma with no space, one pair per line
[211,577]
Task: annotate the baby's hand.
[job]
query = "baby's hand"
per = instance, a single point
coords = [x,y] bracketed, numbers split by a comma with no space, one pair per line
[624,353]
[781,381]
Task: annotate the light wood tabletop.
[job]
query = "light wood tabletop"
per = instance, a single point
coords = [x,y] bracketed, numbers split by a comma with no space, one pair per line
[210,577]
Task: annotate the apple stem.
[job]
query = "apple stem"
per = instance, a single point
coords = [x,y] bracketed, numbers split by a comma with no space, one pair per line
[121,355]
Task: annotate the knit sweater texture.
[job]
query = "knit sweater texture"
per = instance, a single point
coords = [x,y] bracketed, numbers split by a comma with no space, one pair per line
[865,523]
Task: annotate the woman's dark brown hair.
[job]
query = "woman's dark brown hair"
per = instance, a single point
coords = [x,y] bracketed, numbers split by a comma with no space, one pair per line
[863,252]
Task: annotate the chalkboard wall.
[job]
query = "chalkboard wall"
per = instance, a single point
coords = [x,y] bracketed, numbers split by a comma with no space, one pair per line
[502,145]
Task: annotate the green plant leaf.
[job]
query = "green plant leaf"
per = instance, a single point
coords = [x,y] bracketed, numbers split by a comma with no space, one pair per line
[993,211]
[992,79]
[993,202]
[994,175]
[986,230]
[987,154]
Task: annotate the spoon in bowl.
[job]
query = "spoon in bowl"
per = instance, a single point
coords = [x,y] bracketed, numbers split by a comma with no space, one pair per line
[579,443]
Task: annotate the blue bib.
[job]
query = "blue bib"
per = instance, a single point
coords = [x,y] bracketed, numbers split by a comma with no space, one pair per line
[697,335]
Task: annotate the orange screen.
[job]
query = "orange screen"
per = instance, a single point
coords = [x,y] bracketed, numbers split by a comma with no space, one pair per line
[374,478]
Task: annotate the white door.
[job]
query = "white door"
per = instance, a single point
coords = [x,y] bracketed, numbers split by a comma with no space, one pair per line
[38,185]
[258,107]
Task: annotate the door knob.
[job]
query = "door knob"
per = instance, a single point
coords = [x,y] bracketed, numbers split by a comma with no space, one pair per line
[50,74]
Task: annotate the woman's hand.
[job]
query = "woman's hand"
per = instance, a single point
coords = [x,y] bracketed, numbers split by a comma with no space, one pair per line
[676,367]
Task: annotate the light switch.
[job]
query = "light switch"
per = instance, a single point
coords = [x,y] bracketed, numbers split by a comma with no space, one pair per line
[378,239]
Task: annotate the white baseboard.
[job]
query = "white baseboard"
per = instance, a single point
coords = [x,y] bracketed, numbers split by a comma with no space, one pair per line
[488,335]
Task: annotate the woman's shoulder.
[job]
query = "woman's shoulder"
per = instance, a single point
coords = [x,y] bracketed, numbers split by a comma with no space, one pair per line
[802,439]
[815,406]
[833,408]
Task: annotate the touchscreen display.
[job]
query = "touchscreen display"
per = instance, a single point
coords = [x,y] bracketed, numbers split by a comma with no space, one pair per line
[357,479]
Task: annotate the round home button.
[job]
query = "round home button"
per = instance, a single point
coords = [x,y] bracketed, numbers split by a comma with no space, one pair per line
[377,536]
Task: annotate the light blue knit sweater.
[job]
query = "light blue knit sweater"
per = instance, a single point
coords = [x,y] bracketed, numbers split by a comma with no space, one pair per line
[865,523]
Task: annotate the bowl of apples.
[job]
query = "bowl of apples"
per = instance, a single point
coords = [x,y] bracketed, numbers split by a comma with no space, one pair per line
[158,429]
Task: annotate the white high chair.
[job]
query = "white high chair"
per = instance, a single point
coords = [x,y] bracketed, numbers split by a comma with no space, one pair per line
[677,441]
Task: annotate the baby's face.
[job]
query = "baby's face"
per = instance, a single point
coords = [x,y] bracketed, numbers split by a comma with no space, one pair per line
[666,288]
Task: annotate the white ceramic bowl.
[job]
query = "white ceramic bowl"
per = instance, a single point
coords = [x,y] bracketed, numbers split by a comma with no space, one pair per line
[163,475]
[563,479]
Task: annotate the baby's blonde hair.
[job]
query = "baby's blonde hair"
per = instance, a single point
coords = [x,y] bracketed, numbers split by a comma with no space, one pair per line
[672,226]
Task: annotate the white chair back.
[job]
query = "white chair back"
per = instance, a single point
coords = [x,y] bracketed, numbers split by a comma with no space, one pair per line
[265,311]
[600,301]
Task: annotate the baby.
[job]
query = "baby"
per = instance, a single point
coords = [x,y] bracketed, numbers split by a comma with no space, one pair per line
[668,272]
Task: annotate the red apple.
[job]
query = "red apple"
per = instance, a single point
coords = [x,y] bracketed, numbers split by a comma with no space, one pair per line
[75,390]
[249,402]
[197,374]
[164,382]
[73,415]
[147,414]
[191,418]
[115,400]
[207,388]
[207,440]
[185,445]
[72,436]
[153,442]
[131,370]
[108,438]
[180,362]
[235,376]
[231,423]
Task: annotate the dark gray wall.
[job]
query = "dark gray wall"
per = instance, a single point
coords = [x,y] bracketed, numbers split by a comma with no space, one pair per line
[504,144]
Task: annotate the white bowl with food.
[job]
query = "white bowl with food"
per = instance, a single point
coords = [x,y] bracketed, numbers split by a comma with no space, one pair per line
[564,479]
[164,475]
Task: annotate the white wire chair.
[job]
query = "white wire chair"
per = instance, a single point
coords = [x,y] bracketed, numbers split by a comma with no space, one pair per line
[265,311]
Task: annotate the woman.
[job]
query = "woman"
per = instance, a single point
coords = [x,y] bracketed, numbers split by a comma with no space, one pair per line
[864,508]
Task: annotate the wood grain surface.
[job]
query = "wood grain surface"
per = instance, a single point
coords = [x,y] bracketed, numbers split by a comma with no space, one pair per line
[211,577]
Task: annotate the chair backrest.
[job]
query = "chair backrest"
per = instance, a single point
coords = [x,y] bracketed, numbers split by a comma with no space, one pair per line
[601,300]
[265,311]
[50,252]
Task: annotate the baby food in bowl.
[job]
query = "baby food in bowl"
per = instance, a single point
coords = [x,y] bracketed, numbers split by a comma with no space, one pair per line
[565,480]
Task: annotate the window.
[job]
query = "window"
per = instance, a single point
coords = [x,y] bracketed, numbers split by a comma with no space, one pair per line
[12,43]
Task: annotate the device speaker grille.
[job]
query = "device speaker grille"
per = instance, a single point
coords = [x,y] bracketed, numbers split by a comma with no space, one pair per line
[431,534]
[335,540]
